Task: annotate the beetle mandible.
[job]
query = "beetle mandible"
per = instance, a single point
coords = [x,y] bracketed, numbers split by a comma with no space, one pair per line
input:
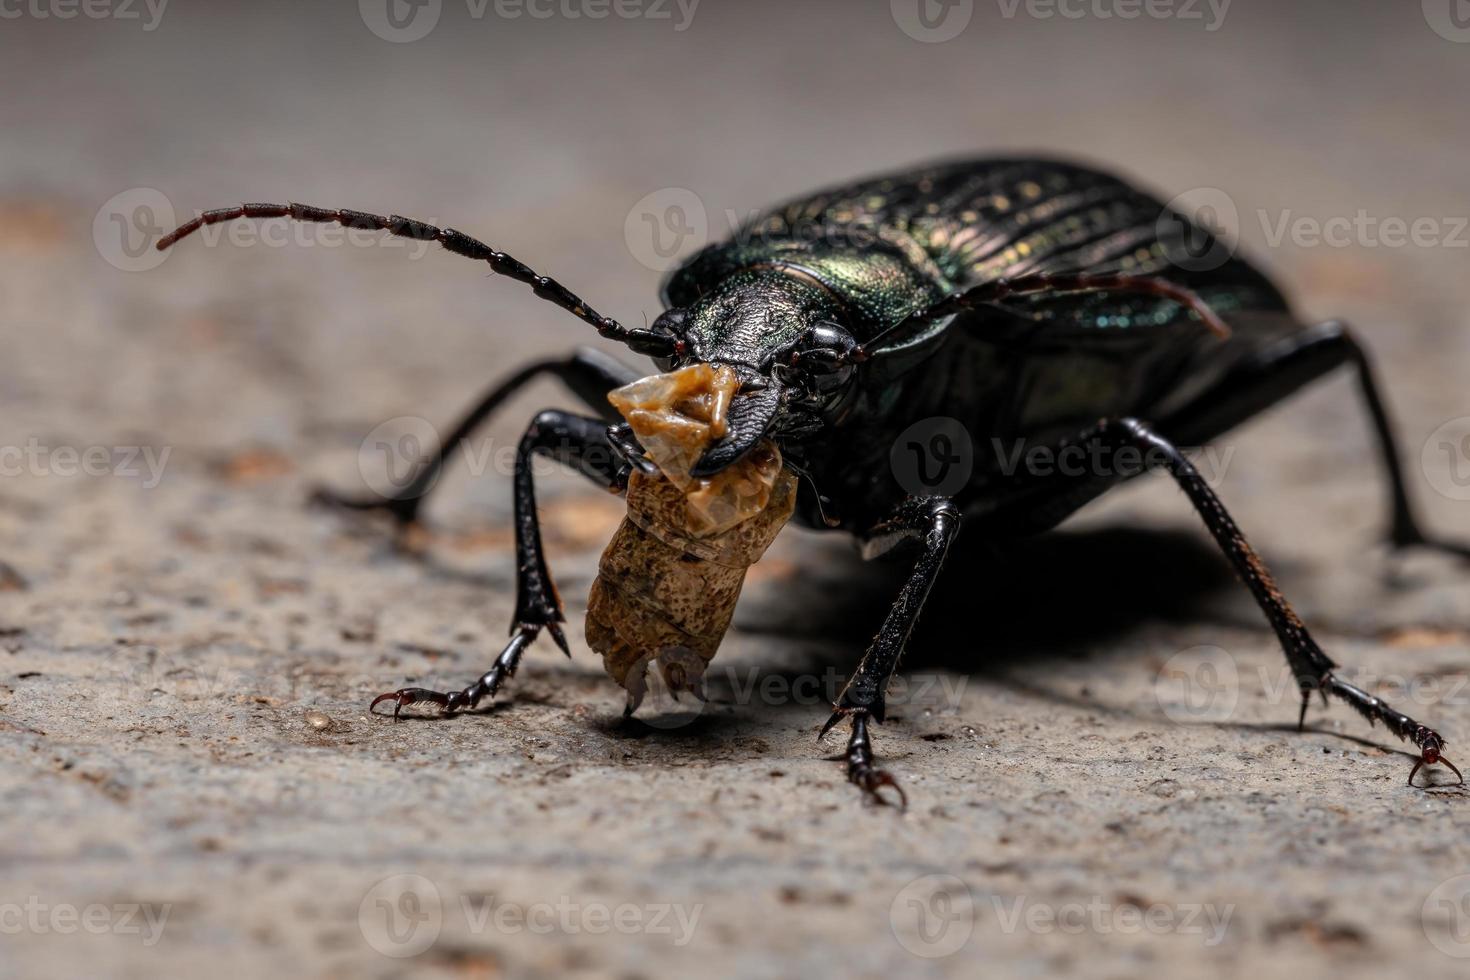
[1037,302]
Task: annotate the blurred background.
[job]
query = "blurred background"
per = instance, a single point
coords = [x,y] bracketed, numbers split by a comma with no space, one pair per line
[188,650]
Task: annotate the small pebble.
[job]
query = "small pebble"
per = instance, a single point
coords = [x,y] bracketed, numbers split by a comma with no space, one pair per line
[318,720]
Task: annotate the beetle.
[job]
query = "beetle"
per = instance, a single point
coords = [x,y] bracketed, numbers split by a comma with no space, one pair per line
[1035,302]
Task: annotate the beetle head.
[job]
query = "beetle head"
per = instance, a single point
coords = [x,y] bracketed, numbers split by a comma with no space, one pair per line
[794,361]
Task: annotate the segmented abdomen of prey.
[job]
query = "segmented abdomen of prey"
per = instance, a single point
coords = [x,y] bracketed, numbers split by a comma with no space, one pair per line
[665,597]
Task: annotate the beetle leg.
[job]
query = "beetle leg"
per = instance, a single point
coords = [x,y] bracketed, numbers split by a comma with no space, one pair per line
[1313,669]
[934,521]
[1404,529]
[1282,368]
[589,373]
[580,442]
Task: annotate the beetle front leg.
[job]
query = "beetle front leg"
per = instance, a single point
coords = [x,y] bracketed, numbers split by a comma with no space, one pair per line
[588,372]
[579,442]
[934,522]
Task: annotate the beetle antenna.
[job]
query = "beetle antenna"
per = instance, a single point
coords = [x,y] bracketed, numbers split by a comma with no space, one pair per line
[640,340]
[1045,282]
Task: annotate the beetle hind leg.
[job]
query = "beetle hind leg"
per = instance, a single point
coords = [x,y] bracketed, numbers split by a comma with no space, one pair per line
[1313,669]
[1279,369]
[1405,531]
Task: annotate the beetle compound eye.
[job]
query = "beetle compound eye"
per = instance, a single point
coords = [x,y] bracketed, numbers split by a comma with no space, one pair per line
[832,378]
[824,357]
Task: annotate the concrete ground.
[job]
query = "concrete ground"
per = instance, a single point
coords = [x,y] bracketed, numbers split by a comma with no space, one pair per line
[1095,732]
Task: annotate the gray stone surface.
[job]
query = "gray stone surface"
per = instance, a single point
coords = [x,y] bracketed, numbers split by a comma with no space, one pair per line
[184,676]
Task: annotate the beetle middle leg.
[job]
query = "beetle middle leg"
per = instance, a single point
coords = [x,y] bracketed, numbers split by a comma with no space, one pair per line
[1313,669]
[582,443]
[588,372]
[934,522]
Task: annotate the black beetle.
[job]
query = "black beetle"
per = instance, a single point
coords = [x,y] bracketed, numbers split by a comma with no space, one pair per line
[1036,302]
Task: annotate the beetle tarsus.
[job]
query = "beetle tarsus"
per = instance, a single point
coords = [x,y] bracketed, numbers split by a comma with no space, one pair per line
[1429,742]
[402,510]
[485,687]
[861,771]
[406,696]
